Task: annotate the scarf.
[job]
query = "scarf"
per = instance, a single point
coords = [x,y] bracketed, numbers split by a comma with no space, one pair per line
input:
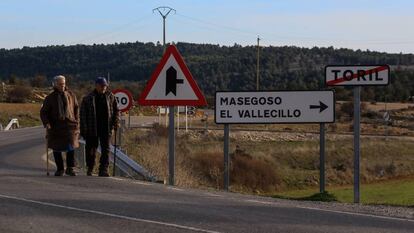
[65,105]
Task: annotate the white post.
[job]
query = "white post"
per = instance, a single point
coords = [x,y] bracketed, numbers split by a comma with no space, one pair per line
[159,115]
[186,120]
[166,118]
[178,119]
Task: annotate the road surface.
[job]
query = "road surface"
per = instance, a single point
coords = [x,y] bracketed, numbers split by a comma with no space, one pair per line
[32,202]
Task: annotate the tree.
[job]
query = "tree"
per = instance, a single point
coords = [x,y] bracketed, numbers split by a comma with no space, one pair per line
[19,94]
[39,81]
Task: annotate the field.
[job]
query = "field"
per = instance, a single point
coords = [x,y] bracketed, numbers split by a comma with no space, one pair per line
[28,113]
[275,163]
[277,160]
[398,192]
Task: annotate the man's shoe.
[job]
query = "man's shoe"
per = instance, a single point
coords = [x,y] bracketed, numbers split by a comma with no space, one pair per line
[89,172]
[59,173]
[70,171]
[104,173]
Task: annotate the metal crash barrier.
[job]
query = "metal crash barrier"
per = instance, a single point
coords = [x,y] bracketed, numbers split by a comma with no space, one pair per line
[125,166]
[13,124]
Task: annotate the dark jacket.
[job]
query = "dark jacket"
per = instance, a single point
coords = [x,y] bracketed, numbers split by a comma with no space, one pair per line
[88,122]
[63,133]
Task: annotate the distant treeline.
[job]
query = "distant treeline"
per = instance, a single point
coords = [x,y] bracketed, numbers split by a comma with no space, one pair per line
[214,67]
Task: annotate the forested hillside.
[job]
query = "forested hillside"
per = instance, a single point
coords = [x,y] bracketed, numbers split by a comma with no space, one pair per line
[214,67]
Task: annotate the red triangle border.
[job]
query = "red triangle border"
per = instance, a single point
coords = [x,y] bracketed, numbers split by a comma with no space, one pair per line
[172,50]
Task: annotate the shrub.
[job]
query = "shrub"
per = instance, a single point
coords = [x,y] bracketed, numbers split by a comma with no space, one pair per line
[19,94]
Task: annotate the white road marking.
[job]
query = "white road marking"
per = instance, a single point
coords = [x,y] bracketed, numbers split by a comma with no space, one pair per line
[333,211]
[129,180]
[213,195]
[116,178]
[142,183]
[109,214]
[261,202]
[176,189]
[357,214]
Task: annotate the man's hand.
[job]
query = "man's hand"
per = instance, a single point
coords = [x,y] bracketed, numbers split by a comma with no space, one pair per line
[48,126]
[116,126]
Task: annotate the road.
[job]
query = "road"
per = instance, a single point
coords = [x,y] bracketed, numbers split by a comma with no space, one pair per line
[32,202]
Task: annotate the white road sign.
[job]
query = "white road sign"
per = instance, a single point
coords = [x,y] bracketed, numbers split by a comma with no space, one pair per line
[172,84]
[357,75]
[275,107]
[124,99]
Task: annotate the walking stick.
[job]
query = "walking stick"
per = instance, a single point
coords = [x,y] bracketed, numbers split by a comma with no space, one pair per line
[47,155]
[115,145]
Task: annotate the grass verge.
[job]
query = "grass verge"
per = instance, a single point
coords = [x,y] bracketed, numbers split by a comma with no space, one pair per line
[399,192]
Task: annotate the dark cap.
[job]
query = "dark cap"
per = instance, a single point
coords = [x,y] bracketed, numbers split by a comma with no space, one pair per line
[101,81]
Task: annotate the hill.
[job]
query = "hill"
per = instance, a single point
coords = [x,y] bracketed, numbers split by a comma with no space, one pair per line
[214,67]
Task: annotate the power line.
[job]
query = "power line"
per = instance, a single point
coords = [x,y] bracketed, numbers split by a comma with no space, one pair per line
[302,38]
[113,30]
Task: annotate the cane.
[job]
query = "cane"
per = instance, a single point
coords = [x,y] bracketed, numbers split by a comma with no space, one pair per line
[115,145]
[47,155]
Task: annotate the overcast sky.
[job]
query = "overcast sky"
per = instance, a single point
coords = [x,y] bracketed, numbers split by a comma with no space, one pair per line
[365,24]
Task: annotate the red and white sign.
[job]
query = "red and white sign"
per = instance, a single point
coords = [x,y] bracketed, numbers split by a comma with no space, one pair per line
[124,99]
[357,75]
[172,84]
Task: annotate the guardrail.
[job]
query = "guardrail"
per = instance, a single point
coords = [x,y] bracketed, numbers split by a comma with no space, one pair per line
[14,123]
[124,164]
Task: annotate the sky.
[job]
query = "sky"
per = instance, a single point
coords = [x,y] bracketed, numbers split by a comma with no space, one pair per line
[377,25]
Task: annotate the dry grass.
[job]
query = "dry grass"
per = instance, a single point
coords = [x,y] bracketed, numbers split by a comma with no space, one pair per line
[269,166]
[380,106]
[28,113]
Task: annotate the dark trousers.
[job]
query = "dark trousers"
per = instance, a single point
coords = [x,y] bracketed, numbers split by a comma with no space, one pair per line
[70,159]
[92,145]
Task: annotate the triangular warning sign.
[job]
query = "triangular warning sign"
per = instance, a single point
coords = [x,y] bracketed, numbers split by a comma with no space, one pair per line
[172,84]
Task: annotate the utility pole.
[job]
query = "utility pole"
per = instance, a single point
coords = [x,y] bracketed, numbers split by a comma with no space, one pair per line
[164,12]
[258,63]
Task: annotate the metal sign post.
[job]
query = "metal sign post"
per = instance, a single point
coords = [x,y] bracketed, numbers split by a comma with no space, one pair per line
[272,107]
[171,146]
[357,116]
[172,85]
[357,75]
[226,157]
[322,158]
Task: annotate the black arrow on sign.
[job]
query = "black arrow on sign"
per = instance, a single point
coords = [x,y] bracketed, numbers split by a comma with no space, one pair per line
[172,81]
[321,106]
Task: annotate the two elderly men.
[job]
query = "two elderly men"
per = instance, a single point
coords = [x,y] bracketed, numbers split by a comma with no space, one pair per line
[94,121]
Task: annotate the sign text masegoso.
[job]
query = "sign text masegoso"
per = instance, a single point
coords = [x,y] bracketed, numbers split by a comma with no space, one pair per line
[275,107]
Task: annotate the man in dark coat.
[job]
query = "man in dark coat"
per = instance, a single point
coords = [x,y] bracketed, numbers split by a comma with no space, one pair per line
[60,116]
[99,115]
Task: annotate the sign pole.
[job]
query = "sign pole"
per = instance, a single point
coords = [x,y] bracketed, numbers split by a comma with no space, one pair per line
[357,115]
[226,157]
[322,158]
[129,119]
[166,114]
[171,145]
[178,118]
[115,145]
[186,119]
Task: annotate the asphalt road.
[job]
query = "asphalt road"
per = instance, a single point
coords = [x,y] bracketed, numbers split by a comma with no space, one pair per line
[32,202]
